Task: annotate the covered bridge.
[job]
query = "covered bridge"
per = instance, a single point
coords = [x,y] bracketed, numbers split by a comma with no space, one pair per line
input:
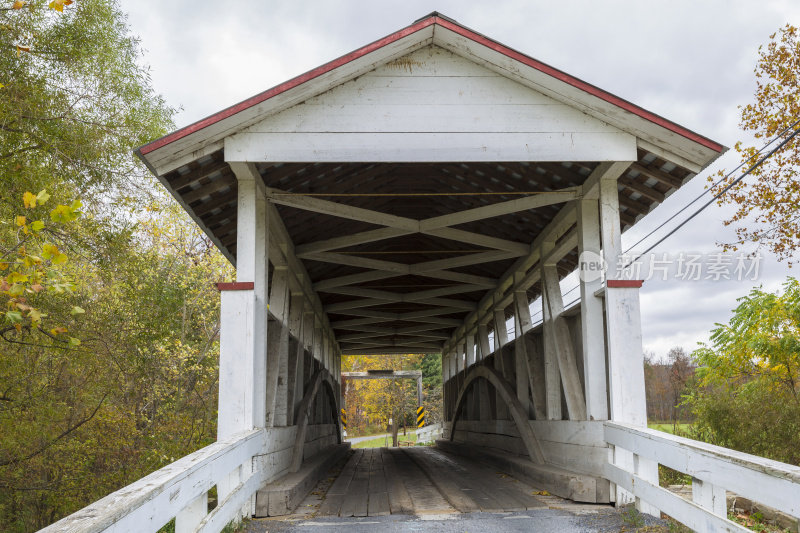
[416,196]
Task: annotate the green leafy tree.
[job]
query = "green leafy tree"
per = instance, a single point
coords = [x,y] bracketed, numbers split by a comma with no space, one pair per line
[431,366]
[749,395]
[108,359]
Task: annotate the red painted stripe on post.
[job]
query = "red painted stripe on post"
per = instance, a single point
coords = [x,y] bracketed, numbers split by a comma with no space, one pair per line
[624,283]
[236,286]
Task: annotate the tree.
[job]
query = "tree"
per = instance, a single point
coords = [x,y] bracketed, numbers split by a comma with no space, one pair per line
[372,402]
[431,366]
[767,201]
[749,378]
[666,384]
[136,389]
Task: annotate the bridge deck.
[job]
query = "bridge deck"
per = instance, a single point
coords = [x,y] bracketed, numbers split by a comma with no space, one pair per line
[424,484]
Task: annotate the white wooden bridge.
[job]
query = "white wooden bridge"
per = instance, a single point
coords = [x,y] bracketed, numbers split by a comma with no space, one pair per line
[416,196]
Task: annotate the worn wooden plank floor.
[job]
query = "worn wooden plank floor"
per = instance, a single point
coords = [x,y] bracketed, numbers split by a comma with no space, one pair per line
[421,480]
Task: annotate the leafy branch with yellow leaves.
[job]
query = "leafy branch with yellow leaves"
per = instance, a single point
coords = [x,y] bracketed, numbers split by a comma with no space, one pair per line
[33,265]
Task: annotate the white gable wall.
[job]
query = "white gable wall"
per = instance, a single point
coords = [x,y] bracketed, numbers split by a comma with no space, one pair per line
[431,105]
[667,144]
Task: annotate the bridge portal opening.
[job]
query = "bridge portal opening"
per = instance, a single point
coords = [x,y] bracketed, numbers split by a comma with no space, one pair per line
[416,196]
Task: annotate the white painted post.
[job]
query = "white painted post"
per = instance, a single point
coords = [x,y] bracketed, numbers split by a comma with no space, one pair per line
[295,361]
[522,319]
[552,379]
[559,334]
[592,332]
[277,347]
[500,330]
[709,496]
[308,329]
[243,324]
[243,339]
[188,518]
[643,467]
[318,341]
[624,337]
[483,341]
[469,341]
[484,405]
[500,340]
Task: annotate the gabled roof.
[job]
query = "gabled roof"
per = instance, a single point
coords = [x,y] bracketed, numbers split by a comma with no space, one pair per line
[655,134]
[341,255]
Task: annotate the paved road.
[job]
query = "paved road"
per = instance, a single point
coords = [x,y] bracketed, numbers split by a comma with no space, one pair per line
[354,440]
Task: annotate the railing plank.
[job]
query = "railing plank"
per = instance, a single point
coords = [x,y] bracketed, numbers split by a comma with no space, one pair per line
[763,480]
[149,503]
[688,513]
[229,509]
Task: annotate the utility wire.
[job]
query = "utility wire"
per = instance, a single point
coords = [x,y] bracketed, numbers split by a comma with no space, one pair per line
[708,190]
[720,193]
[712,200]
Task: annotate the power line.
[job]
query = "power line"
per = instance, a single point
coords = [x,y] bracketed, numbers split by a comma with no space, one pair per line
[716,196]
[708,190]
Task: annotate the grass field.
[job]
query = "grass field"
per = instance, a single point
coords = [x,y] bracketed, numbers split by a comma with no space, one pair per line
[381,441]
[668,427]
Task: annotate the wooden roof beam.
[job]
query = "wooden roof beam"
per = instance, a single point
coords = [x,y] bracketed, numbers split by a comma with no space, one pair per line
[658,175]
[223,182]
[179,181]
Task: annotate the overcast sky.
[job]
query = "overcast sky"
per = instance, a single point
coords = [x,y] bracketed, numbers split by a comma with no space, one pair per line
[690,61]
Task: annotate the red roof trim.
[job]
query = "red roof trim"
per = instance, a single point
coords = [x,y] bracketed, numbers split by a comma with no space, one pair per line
[236,286]
[624,283]
[409,30]
[287,85]
[579,84]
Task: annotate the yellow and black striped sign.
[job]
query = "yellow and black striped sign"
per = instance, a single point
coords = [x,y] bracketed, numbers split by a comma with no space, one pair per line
[420,416]
[344,419]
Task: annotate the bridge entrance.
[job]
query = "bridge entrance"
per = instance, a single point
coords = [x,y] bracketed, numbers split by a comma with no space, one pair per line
[429,193]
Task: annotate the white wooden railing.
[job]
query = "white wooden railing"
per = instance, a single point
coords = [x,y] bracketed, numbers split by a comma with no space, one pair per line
[180,491]
[714,471]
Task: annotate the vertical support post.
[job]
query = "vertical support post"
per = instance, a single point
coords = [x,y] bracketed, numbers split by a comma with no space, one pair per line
[590,276]
[469,341]
[552,381]
[484,402]
[500,340]
[318,341]
[188,518]
[308,331]
[243,331]
[500,330]
[710,497]
[562,345]
[483,341]
[295,362]
[624,337]
[277,346]
[453,381]
[535,360]
[243,324]
[522,318]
